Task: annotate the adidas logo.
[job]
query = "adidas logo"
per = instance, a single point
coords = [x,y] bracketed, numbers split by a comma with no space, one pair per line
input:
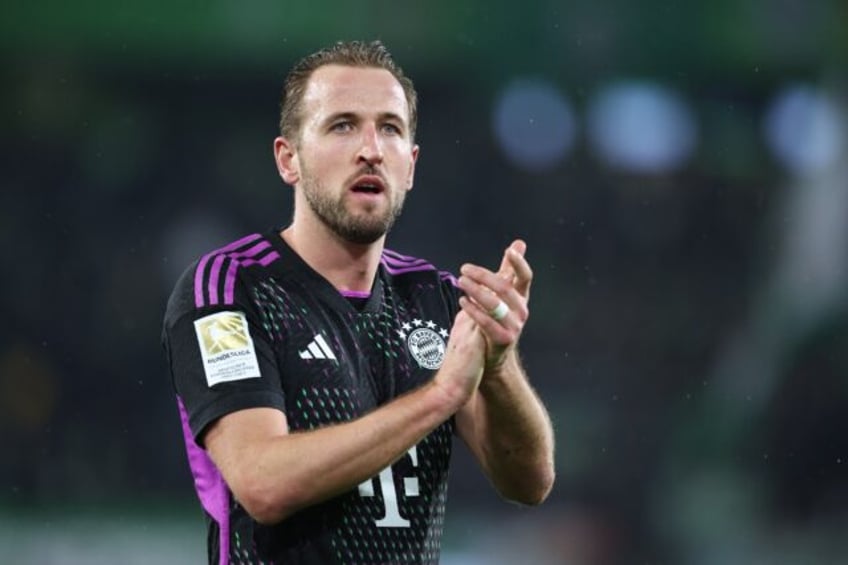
[317,349]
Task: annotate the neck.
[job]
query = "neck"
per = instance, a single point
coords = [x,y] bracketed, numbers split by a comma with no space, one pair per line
[347,266]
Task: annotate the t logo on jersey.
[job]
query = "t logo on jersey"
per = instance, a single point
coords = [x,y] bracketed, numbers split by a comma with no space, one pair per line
[425,344]
[392,517]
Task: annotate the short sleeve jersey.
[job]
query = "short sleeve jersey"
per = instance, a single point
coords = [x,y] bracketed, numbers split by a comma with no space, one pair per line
[252,325]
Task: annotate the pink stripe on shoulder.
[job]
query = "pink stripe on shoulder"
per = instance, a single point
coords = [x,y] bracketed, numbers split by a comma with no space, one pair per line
[398,256]
[446,276]
[201,265]
[230,280]
[215,272]
[397,264]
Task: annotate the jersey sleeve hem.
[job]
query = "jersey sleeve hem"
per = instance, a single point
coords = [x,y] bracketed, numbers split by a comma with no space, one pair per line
[201,419]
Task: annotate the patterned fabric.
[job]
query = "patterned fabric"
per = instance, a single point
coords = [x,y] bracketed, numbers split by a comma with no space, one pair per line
[251,325]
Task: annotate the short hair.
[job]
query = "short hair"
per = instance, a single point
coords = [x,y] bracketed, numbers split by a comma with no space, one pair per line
[348,53]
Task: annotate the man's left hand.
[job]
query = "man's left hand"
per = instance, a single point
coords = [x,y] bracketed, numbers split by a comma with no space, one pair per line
[497,302]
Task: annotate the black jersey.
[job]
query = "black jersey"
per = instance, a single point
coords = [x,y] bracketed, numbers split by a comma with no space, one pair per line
[252,325]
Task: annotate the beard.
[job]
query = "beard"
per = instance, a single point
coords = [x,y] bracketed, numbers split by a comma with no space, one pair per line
[363,227]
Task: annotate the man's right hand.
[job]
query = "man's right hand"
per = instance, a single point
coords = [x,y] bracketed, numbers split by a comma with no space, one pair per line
[464,361]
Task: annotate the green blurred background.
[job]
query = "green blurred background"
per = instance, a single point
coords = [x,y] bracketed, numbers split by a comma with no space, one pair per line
[677,168]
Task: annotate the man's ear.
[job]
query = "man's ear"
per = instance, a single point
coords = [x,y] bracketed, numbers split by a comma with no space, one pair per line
[285,154]
[411,176]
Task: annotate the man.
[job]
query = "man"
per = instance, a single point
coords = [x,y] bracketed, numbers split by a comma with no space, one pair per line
[321,377]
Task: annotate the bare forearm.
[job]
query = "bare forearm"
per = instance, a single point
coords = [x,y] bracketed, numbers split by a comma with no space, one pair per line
[296,470]
[516,444]
[274,473]
[505,423]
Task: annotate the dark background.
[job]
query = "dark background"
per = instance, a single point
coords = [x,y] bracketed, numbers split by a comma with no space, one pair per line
[689,330]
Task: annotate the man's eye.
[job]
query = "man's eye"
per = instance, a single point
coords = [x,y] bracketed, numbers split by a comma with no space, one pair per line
[391,128]
[342,126]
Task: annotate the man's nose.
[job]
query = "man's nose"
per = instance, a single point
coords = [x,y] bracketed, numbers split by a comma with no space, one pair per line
[371,149]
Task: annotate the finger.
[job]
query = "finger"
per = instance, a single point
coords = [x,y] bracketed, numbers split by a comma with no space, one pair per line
[522,272]
[488,298]
[519,245]
[485,277]
[463,325]
[506,269]
[487,288]
[493,329]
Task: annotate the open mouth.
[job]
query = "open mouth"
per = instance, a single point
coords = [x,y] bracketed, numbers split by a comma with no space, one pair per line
[367,188]
[369,184]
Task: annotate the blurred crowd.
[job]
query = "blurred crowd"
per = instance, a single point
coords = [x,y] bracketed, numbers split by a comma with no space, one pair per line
[689,329]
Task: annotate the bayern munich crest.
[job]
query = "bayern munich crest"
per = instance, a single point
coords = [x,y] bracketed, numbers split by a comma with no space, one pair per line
[426,342]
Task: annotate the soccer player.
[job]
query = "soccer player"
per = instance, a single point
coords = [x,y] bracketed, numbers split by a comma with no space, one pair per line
[321,377]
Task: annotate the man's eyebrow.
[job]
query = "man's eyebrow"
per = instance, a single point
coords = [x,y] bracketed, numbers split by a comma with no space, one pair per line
[341,116]
[392,116]
[355,117]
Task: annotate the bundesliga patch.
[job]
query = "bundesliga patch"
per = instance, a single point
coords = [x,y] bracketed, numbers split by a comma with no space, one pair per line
[226,347]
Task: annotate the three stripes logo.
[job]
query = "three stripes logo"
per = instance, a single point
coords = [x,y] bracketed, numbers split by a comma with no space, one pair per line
[216,272]
[317,349]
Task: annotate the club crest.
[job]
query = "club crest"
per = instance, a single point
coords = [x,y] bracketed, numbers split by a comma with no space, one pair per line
[426,342]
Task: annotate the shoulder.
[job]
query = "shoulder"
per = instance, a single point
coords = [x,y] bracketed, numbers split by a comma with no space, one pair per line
[213,279]
[405,266]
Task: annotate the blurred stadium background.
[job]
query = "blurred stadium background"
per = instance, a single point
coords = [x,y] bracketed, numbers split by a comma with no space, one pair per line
[677,168]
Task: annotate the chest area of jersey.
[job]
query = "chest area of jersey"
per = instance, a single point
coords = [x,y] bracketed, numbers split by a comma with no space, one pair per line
[336,364]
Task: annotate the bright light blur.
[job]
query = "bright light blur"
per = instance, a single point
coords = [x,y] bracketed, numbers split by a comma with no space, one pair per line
[533,124]
[640,127]
[805,129]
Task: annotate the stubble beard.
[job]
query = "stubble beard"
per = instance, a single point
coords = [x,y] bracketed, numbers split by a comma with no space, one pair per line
[361,228]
